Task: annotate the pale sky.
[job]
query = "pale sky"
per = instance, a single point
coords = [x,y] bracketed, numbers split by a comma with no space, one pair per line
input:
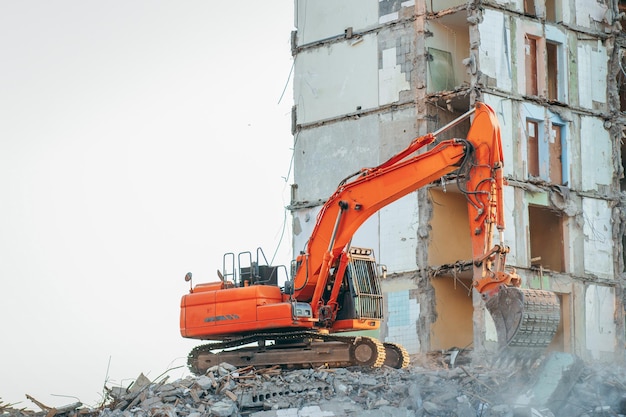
[139,140]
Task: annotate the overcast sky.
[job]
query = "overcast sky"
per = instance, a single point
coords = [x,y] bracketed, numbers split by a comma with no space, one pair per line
[139,140]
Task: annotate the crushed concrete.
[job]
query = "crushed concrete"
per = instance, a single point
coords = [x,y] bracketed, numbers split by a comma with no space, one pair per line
[561,385]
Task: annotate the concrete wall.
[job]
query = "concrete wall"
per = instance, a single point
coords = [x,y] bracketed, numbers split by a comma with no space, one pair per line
[599,323]
[322,19]
[496,51]
[330,153]
[339,79]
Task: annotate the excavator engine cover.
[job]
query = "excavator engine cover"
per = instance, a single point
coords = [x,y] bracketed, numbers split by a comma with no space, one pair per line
[526,320]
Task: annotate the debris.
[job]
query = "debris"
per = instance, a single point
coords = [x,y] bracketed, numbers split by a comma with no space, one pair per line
[561,386]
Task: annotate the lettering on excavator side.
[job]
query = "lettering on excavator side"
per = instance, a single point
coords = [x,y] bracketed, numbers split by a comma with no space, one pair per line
[221,318]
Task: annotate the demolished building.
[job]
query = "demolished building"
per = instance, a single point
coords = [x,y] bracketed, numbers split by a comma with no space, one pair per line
[371,75]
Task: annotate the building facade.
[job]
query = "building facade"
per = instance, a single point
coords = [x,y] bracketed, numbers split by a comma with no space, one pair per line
[371,75]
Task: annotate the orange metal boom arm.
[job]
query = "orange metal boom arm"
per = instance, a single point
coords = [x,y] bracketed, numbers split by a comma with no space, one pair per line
[480,155]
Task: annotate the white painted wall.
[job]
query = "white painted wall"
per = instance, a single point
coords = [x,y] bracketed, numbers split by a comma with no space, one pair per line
[326,155]
[436,6]
[495,48]
[599,321]
[398,234]
[590,11]
[321,19]
[390,78]
[336,79]
[592,62]
[512,4]
[596,153]
[598,242]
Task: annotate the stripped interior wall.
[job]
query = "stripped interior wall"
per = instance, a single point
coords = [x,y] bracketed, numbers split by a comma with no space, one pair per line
[371,75]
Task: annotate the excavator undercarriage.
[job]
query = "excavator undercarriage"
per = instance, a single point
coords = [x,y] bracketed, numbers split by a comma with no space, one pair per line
[299,349]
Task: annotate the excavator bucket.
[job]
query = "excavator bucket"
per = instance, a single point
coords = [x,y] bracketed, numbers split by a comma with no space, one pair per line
[526,320]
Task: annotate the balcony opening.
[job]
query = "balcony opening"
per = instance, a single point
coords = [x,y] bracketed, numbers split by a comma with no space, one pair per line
[553,11]
[529,8]
[545,227]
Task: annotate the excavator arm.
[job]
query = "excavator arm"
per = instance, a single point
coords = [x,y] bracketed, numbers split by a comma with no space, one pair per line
[335,287]
[478,160]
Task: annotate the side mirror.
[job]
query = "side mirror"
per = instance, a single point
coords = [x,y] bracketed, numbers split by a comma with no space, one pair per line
[288,288]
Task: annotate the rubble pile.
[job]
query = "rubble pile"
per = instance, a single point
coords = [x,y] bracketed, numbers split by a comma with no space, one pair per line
[561,386]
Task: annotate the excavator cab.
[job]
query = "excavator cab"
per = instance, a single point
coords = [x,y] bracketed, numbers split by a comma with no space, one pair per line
[361,291]
[245,269]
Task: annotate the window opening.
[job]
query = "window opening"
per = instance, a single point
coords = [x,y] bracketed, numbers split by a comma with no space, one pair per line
[546,238]
[551,11]
[529,7]
[561,340]
[624,252]
[531,65]
[440,70]
[553,70]
[621,79]
[556,155]
[622,181]
[532,132]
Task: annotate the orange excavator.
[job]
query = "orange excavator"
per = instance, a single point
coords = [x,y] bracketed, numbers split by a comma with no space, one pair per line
[334,287]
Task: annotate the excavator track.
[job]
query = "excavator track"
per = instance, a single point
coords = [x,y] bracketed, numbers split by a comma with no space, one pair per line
[301,349]
[526,321]
[396,356]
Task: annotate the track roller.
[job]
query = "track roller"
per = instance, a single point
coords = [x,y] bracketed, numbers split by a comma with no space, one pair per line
[366,351]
